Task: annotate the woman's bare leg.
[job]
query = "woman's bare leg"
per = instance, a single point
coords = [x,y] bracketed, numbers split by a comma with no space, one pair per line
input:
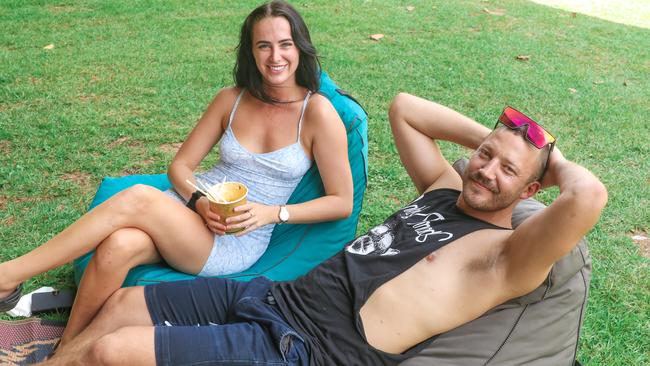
[180,235]
[105,273]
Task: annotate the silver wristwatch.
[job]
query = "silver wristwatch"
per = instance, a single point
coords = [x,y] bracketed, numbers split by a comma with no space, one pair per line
[283,215]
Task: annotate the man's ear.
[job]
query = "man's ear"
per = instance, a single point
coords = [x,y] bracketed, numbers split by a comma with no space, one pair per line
[530,190]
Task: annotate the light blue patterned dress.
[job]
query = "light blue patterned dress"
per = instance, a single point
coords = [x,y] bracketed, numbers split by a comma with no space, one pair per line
[270,177]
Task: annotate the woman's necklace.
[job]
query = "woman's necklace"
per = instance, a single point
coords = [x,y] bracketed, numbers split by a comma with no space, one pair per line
[288,101]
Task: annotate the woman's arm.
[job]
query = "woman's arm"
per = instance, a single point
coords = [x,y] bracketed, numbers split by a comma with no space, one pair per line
[198,144]
[329,146]
[200,141]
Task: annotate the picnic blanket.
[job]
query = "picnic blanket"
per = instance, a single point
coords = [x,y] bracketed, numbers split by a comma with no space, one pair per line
[27,341]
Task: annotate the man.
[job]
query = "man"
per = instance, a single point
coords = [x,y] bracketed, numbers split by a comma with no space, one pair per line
[442,261]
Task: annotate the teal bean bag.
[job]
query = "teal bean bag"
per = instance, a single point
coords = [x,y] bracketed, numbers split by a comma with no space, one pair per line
[294,249]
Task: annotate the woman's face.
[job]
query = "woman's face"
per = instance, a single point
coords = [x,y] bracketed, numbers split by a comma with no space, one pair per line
[276,55]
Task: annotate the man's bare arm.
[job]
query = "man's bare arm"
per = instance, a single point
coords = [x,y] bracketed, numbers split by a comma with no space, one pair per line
[416,124]
[544,238]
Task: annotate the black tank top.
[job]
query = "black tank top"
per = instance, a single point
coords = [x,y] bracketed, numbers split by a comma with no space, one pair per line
[323,305]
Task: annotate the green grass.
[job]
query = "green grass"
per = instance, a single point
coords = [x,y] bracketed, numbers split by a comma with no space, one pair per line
[126,81]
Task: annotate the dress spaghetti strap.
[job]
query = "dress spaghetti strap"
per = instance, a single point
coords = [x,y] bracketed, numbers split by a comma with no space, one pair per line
[234,107]
[302,112]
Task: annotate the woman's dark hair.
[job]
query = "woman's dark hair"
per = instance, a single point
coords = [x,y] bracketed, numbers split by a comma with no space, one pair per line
[246,73]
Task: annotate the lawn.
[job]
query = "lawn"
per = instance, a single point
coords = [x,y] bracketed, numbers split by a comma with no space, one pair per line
[105,88]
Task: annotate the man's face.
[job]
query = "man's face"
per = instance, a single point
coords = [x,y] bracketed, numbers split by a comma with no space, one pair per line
[499,171]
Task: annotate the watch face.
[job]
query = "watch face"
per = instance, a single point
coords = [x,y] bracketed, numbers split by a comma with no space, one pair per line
[284,214]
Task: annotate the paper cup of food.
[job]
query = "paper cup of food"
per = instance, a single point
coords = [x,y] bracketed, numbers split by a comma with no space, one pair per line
[228,195]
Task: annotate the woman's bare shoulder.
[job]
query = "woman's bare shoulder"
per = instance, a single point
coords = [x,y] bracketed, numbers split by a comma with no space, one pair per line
[219,108]
[227,94]
[320,110]
[224,100]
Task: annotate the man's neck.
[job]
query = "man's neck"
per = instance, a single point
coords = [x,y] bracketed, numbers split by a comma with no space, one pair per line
[502,217]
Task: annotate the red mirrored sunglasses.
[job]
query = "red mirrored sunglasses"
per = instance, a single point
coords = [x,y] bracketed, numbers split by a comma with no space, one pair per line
[535,133]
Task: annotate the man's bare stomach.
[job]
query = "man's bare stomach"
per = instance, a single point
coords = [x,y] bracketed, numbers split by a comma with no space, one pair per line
[446,289]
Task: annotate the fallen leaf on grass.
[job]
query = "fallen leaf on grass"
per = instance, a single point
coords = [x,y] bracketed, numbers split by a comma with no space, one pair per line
[410,7]
[49,47]
[643,241]
[376,37]
[572,90]
[496,12]
[626,83]
[523,57]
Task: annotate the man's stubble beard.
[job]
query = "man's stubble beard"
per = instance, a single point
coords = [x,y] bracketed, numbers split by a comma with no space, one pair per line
[498,201]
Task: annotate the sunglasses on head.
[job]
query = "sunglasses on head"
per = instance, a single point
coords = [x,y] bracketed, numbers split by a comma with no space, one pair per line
[535,133]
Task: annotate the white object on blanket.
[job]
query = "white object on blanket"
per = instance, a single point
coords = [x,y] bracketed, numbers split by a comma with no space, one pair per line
[24,306]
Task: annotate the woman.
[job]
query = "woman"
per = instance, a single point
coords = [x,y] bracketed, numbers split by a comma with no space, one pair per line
[270,128]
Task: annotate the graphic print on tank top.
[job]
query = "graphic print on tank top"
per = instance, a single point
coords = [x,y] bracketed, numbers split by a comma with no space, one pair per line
[416,216]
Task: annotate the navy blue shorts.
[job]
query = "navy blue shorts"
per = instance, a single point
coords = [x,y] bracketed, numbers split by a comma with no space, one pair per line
[213,321]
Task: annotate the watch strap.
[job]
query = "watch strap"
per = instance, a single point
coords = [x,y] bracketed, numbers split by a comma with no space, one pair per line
[191,204]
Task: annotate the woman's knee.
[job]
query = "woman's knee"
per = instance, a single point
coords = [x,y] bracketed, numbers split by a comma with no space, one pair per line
[396,108]
[123,247]
[136,199]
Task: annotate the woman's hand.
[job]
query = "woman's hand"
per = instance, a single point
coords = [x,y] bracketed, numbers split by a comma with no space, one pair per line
[253,215]
[210,218]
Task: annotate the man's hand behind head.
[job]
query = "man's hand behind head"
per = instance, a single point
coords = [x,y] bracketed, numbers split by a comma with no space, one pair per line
[555,162]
